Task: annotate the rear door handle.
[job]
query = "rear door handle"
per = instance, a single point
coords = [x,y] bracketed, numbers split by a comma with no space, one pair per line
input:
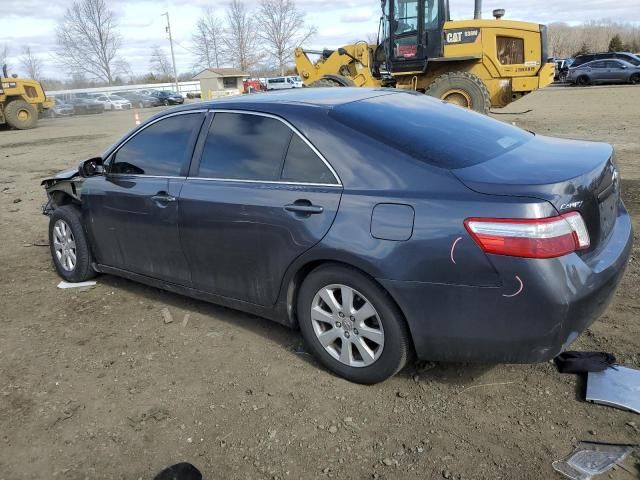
[163,197]
[306,209]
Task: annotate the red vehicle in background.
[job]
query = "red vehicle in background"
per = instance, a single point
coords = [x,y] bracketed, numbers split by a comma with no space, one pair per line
[252,86]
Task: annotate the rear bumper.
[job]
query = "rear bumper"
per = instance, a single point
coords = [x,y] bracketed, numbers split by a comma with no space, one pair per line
[558,300]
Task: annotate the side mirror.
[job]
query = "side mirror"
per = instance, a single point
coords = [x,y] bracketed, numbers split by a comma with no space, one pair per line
[91,167]
[623,66]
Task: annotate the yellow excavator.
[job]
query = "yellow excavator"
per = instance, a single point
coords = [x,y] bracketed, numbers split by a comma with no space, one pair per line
[21,101]
[477,64]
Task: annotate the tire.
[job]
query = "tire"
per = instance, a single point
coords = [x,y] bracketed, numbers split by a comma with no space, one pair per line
[583,81]
[325,82]
[463,89]
[388,354]
[21,115]
[635,79]
[166,103]
[68,217]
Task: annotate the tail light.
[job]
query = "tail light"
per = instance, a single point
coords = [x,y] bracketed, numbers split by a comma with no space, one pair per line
[532,238]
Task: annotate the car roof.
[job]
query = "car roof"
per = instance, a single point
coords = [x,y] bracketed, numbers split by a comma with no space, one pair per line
[319,97]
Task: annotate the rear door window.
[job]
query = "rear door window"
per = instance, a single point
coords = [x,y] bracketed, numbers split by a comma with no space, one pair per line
[161,149]
[303,165]
[244,147]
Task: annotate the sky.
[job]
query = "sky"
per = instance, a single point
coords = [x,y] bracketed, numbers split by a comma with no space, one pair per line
[33,22]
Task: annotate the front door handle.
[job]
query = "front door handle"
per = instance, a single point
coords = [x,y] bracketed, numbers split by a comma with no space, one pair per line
[163,197]
[304,209]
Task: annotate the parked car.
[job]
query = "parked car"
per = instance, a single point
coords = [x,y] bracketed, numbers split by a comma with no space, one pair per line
[112,102]
[604,71]
[61,109]
[169,98]
[590,57]
[361,216]
[147,91]
[562,69]
[86,105]
[140,100]
[282,83]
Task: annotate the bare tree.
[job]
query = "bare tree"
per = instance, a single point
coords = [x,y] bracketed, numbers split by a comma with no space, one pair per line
[281,27]
[241,39]
[160,64]
[209,40]
[122,67]
[88,40]
[4,56]
[593,36]
[31,64]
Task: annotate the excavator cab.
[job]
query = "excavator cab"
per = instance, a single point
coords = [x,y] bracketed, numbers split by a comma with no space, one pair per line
[412,33]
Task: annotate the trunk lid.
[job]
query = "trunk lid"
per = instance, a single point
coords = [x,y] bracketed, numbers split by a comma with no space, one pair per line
[571,175]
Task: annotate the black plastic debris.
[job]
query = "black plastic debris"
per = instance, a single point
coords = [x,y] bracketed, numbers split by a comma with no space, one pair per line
[179,471]
[584,362]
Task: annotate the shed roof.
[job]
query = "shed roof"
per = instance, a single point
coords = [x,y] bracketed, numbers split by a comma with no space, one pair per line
[220,73]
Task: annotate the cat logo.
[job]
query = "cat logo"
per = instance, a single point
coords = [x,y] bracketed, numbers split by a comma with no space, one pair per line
[454,37]
[461,35]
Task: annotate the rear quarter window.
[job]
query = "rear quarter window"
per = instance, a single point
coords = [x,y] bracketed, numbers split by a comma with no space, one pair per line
[431,130]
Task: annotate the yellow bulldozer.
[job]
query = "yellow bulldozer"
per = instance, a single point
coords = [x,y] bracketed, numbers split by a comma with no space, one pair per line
[476,63]
[22,101]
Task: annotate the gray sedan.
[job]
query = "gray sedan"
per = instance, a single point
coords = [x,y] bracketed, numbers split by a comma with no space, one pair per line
[604,71]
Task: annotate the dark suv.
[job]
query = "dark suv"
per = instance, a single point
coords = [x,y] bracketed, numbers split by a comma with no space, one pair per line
[168,98]
[589,57]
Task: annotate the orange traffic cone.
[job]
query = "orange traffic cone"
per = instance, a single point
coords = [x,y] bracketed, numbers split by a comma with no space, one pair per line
[137,117]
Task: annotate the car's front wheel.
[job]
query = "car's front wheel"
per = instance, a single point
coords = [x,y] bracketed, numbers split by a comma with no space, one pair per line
[351,324]
[635,79]
[583,80]
[69,246]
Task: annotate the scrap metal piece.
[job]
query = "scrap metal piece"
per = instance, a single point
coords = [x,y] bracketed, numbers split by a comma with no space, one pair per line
[591,458]
[616,386]
[89,283]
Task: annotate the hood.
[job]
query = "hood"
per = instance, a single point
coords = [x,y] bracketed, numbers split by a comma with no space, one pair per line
[63,175]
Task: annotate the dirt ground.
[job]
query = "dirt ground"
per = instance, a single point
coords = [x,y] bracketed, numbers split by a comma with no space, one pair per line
[94,384]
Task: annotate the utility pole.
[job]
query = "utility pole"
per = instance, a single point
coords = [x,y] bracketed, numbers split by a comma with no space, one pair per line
[173,57]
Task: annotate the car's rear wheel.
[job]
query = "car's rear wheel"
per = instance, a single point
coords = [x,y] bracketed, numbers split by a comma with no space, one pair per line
[351,324]
[583,80]
[69,246]
[635,79]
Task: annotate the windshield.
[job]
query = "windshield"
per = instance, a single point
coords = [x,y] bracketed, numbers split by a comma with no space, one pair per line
[429,129]
[406,16]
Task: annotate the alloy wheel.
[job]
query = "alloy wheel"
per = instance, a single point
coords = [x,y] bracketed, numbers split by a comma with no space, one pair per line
[347,325]
[64,245]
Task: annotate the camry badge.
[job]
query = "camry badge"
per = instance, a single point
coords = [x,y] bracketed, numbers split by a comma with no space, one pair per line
[564,206]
